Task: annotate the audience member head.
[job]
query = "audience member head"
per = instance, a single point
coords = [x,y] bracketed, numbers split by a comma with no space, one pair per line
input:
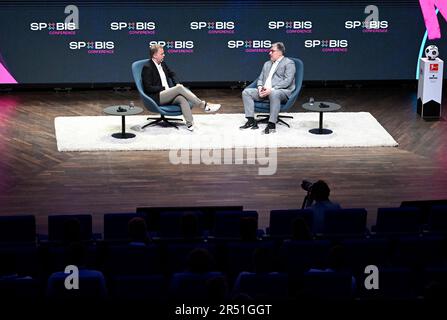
[190,228]
[200,261]
[300,230]
[137,230]
[249,229]
[320,191]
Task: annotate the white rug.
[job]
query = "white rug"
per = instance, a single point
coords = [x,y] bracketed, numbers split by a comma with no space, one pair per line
[359,129]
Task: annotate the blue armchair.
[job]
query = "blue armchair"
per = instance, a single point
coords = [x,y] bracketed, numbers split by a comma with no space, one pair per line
[264,107]
[150,104]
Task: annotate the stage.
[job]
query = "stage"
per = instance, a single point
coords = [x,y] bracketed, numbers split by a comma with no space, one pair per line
[35,178]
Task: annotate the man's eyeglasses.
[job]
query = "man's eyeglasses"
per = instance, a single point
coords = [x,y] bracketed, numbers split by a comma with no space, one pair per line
[273,50]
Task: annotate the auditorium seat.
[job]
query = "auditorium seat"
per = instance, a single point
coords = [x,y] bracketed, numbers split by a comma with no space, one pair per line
[17,229]
[20,289]
[435,283]
[115,226]
[240,255]
[18,244]
[176,254]
[19,260]
[394,284]
[263,286]
[419,252]
[56,226]
[171,224]
[227,224]
[130,260]
[360,253]
[437,220]
[398,220]
[326,285]
[191,287]
[281,222]
[152,214]
[300,256]
[345,223]
[54,256]
[424,206]
[92,286]
[148,288]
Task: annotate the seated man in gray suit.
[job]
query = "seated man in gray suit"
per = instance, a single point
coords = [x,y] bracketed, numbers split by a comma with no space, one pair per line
[275,83]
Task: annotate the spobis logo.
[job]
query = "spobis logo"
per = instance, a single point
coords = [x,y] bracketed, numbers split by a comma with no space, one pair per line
[59,26]
[291,26]
[326,43]
[98,45]
[250,45]
[93,47]
[132,25]
[176,46]
[68,27]
[372,23]
[330,45]
[137,27]
[366,25]
[214,27]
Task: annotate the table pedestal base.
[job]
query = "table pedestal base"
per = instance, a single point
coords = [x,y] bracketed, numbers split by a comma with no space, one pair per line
[320,131]
[120,135]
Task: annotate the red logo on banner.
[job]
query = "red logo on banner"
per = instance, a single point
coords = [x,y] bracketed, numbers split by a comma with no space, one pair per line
[434,67]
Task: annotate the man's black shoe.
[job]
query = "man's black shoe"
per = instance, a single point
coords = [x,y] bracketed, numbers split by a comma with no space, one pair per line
[251,123]
[270,128]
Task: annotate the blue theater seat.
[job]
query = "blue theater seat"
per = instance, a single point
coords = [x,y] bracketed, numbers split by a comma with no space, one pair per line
[131,260]
[281,222]
[56,226]
[227,224]
[398,220]
[115,226]
[300,256]
[149,288]
[264,286]
[18,229]
[345,223]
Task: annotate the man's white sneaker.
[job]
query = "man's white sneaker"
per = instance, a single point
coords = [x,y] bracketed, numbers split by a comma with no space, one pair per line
[212,107]
[190,127]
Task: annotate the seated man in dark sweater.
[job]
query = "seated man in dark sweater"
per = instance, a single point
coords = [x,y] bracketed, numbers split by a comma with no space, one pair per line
[155,77]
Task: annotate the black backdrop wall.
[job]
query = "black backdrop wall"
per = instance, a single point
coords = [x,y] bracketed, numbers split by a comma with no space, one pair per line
[209,40]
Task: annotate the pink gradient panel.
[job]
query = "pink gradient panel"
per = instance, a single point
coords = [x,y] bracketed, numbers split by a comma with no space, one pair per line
[428,8]
[5,76]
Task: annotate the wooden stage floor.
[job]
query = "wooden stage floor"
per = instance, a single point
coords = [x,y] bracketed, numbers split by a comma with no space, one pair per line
[37,179]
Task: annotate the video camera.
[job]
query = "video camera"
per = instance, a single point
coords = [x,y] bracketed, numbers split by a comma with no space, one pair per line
[306,185]
[308,200]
